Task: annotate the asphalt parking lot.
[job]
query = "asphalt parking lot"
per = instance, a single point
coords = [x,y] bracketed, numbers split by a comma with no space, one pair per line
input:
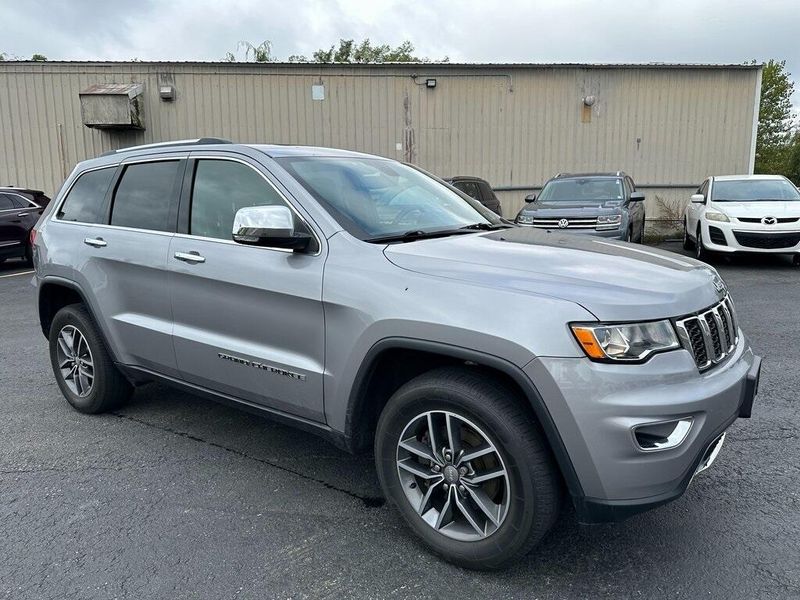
[174,496]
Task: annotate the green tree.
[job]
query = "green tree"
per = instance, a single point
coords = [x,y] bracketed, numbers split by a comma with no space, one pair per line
[774,138]
[39,58]
[252,53]
[793,160]
[365,52]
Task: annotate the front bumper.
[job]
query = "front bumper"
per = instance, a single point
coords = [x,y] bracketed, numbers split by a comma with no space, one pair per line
[596,406]
[749,237]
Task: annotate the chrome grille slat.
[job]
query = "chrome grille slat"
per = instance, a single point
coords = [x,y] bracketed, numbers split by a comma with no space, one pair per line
[711,335]
[574,222]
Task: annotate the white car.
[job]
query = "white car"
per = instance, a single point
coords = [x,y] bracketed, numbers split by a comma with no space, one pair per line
[744,213]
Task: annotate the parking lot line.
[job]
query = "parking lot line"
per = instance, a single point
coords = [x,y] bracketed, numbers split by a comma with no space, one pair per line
[16,274]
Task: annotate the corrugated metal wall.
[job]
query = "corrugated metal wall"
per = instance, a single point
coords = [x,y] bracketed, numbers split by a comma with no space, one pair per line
[513,125]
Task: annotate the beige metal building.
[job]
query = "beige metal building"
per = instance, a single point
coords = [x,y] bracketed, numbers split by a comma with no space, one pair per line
[515,125]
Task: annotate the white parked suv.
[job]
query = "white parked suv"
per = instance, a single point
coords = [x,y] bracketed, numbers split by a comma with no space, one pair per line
[744,213]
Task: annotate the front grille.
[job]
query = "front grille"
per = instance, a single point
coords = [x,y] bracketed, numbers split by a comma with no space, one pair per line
[572,222]
[711,335]
[767,241]
[717,236]
[778,220]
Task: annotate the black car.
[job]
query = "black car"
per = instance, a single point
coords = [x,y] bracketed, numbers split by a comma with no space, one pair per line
[601,204]
[477,188]
[20,208]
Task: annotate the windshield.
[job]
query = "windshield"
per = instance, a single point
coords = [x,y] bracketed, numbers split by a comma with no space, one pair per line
[375,198]
[589,189]
[751,190]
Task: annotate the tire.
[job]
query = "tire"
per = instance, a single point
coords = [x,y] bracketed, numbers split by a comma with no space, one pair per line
[641,233]
[28,256]
[482,406]
[700,252]
[796,260]
[90,390]
[687,241]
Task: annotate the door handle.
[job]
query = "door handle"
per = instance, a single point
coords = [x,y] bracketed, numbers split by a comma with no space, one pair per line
[23,214]
[190,257]
[96,242]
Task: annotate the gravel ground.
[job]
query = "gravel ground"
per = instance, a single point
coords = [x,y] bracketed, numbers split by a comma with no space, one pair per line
[177,497]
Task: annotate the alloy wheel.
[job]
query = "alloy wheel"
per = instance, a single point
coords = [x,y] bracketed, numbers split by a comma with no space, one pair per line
[75,361]
[453,475]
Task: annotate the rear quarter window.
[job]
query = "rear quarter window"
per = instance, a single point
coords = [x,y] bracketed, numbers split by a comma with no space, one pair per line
[85,200]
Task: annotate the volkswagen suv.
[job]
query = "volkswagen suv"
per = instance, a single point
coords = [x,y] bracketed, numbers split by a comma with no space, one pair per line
[344,294]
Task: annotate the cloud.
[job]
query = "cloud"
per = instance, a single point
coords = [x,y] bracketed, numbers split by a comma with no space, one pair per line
[513,31]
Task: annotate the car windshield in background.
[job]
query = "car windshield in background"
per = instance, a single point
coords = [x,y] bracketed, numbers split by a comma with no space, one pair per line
[376,199]
[582,189]
[752,190]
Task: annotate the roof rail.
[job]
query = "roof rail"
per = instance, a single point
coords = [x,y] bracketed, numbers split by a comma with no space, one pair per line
[196,141]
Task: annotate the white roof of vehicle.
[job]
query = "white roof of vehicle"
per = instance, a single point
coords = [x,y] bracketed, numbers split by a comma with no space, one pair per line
[745,177]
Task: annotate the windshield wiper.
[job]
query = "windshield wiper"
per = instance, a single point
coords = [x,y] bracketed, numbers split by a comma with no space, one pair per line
[414,234]
[486,226]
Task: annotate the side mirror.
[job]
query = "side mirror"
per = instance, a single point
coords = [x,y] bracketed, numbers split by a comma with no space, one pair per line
[269,226]
[530,198]
[698,199]
[637,197]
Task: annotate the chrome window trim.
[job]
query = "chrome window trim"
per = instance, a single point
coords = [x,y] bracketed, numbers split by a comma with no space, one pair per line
[272,185]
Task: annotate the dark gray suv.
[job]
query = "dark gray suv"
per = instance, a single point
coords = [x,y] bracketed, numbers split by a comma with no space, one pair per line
[600,204]
[346,293]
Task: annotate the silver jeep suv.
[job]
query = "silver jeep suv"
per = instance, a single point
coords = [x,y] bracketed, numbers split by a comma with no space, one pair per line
[346,294]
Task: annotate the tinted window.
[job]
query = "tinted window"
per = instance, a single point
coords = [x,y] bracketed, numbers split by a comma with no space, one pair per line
[19,201]
[145,196]
[470,188]
[750,190]
[222,187]
[487,192]
[85,200]
[5,202]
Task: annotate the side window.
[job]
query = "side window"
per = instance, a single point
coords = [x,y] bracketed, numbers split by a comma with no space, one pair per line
[84,202]
[704,189]
[628,187]
[19,201]
[222,187]
[487,192]
[145,196]
[5,202]
[470,188]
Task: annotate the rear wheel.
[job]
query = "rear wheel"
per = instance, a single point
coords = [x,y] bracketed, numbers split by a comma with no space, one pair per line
[468,467]
[796,260]
[83,368]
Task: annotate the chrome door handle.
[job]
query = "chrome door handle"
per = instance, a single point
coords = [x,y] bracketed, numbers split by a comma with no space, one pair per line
[96,242]
[23,214]
[190,257]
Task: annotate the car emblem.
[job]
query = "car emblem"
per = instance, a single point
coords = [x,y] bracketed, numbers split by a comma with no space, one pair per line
[769,220]
[719,285]
[563,223]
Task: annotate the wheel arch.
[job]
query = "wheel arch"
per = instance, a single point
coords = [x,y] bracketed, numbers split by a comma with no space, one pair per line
[378,378]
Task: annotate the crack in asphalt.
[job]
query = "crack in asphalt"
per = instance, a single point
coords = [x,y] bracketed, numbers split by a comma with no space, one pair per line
[369,501]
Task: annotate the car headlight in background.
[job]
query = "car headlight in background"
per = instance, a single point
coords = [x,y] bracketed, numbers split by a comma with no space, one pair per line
[715,215]
[525,219]
[609,221]
[625,342]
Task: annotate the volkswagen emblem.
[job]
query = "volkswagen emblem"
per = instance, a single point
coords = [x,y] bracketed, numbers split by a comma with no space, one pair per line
[563,223]
[769,220]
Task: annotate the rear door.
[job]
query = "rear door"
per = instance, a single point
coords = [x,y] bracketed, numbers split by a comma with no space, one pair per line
[249,321]
[126,261]
[12,227]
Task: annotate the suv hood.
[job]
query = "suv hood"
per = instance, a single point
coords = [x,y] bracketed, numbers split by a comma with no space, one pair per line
[613,280]
[759,208]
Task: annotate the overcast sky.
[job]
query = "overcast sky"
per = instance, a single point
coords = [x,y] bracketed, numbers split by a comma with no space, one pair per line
[469,31]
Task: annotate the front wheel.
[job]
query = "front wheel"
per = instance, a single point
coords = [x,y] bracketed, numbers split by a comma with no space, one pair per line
[468,467]
[700,252]
[687,241]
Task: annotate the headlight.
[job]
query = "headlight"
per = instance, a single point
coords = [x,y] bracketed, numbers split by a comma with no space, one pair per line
[715,215]
[525,219]
[626,342]
[609,221]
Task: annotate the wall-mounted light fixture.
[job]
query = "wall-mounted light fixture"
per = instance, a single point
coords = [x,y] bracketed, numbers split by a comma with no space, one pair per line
[431,83]
[166,92]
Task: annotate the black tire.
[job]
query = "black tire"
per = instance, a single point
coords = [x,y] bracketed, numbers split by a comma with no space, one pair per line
[687,241]
[641,232]
[535,487]
[700,252]
[109,388]
[796,260]
[28,257]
